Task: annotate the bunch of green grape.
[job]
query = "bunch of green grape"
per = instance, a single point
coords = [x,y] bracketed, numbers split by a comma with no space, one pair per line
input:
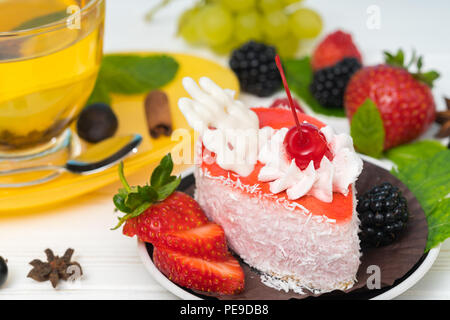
[224,25]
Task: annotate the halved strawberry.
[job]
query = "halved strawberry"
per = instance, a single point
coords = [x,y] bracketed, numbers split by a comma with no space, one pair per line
[207,242]
[190,250]
[224,277]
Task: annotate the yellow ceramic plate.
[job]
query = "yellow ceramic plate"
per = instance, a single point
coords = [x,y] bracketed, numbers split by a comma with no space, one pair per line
[130,112]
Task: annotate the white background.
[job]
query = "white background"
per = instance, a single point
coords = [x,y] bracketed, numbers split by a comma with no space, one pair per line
[111,265]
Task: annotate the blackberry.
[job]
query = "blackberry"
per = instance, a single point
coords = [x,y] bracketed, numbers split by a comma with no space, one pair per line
[97,122]
[328,85]
[383,212]
[254,65]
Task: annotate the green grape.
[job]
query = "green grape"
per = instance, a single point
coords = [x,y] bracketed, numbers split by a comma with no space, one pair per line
[187,26]
[248,26]
[305,23]
[289,2]
[275,25]
[268,6]
[226,47]
[215,24]
[287,47]
[238,5]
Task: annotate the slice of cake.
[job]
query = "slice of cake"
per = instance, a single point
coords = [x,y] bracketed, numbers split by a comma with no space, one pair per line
[282,189]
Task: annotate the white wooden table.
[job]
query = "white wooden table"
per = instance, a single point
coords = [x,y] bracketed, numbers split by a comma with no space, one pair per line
[111,265]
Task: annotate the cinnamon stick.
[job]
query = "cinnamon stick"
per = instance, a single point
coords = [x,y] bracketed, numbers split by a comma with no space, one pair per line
[158,115]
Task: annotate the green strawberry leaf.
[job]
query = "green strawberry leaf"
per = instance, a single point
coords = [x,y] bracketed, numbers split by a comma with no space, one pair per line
[140,209]
[137,199]
[162,173]
[427,77]
[168,188]
[147,193]
[299,75]
[398,60]
[367,129]
[119,202]
[140,195]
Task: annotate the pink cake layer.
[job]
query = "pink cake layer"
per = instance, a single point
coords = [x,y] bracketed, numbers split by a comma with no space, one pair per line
[305,250]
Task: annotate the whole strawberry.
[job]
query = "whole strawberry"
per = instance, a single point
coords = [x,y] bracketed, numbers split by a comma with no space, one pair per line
[335,47]
[403,98]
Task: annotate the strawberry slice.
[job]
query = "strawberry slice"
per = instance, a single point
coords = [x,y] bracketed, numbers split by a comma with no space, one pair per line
[224,277]
[206,242]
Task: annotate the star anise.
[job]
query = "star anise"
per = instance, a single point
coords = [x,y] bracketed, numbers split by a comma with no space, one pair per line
[443,118]
[56,268]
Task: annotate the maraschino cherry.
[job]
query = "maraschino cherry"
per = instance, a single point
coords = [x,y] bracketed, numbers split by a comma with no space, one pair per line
[303,142]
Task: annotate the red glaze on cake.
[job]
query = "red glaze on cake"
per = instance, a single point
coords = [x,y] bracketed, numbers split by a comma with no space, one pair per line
[340,209]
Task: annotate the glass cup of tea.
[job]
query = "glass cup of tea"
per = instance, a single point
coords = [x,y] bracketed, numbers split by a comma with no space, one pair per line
[50,54]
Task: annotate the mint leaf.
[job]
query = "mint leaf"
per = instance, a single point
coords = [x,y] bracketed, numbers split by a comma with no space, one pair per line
[131,74]
[299,75]
[412,152]
[367,129]
[134,74]
[438,224]
[429,180]
[100,94]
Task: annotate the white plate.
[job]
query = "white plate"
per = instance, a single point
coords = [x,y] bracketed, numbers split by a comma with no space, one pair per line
[395,291]
[390,294]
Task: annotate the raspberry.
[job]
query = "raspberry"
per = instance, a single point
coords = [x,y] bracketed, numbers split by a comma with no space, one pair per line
[383,212]
[335,47]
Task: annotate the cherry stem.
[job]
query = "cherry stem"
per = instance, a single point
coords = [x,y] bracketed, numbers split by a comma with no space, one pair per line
[288,93]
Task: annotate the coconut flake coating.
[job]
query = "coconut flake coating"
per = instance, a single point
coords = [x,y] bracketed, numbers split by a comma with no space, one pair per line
[305,251]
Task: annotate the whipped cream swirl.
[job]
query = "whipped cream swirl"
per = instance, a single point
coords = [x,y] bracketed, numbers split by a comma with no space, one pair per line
[230,129]
[226,126]
[331,176]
